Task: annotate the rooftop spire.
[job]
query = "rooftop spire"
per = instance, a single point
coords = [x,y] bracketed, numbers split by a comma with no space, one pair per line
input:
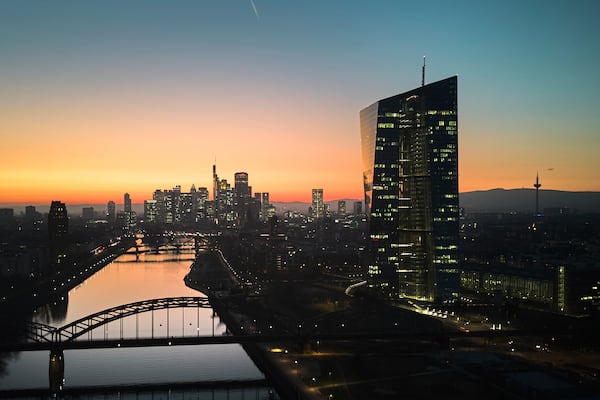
[423,73]
[537,187]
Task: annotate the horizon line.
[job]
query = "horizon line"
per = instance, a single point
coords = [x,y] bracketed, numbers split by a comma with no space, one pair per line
[25,203]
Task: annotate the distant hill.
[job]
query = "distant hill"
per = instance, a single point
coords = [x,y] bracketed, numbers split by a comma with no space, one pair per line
[523,200]
[297,206]
[494,200]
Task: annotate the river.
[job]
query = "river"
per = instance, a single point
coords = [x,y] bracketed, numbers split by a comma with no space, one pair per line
[123,281]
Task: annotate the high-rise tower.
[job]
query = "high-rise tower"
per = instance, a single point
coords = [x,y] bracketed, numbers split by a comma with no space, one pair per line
[317,203]
[410,175]
[127,202]
[537,187]
[242,197]
[111,212]
[58,221]
[58,230]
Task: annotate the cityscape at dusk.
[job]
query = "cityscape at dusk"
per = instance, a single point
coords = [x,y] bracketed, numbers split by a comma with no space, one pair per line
[318,200]
[101,98]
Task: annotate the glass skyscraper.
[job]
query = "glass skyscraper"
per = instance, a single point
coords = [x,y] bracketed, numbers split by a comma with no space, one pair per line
[410,174]
[318,207]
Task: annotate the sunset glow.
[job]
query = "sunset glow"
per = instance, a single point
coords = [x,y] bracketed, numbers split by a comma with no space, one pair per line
[103,98]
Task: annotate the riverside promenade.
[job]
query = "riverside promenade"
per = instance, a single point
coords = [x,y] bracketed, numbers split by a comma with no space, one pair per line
[211,274]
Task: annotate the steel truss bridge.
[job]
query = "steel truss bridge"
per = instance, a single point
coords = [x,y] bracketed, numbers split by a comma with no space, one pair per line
[72,336]
[41,336]
[173,242]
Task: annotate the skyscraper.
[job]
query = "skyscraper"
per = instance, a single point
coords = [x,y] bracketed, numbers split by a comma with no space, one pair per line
[265,207]
[58,220]
[317,203]
[150,210]
[223,199]
[127,202]
[216,193]
[111,212]
[242,193]
[202,214]
[410,175]
[58,230]
[241,184]
[128,217]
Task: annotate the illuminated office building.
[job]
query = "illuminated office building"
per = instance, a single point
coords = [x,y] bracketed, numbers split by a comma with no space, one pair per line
[317,208]
[58,230]
[150,210]
[242,197]
[201,200]
[223,199]
[242,189]
[187,212]
[265,207]
[58,220]
[127,220]
[410,173]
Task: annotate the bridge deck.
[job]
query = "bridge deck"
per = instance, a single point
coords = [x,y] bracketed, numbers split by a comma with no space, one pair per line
[242,339]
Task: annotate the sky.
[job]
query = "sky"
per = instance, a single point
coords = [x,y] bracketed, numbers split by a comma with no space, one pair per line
[99,98]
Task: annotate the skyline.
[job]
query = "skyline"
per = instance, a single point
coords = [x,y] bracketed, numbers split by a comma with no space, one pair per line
[144,95]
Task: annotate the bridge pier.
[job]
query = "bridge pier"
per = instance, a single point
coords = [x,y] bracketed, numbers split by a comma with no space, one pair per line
[196,245]
[56,371]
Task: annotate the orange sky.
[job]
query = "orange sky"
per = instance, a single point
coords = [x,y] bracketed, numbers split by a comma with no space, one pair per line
[92,151]
[97,146]
[105,98]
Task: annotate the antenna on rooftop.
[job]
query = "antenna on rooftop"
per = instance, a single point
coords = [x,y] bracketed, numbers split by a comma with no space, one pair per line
[423,73]
[537,187]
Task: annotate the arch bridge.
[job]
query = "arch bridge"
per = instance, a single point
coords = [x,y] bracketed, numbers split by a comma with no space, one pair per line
[41,333]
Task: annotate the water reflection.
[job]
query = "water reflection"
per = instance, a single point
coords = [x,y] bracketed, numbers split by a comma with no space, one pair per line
[126,281]
[54,313]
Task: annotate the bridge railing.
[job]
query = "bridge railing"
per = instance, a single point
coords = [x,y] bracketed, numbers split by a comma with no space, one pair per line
[42,333]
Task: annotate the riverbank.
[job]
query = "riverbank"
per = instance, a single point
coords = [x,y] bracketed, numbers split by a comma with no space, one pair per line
[211,275]
[48,289]
[306,305]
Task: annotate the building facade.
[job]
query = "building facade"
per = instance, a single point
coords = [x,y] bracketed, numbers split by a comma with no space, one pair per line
[317,207]
[58,220]
[127,202]
[111,212]
[242,198]
[410,176]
